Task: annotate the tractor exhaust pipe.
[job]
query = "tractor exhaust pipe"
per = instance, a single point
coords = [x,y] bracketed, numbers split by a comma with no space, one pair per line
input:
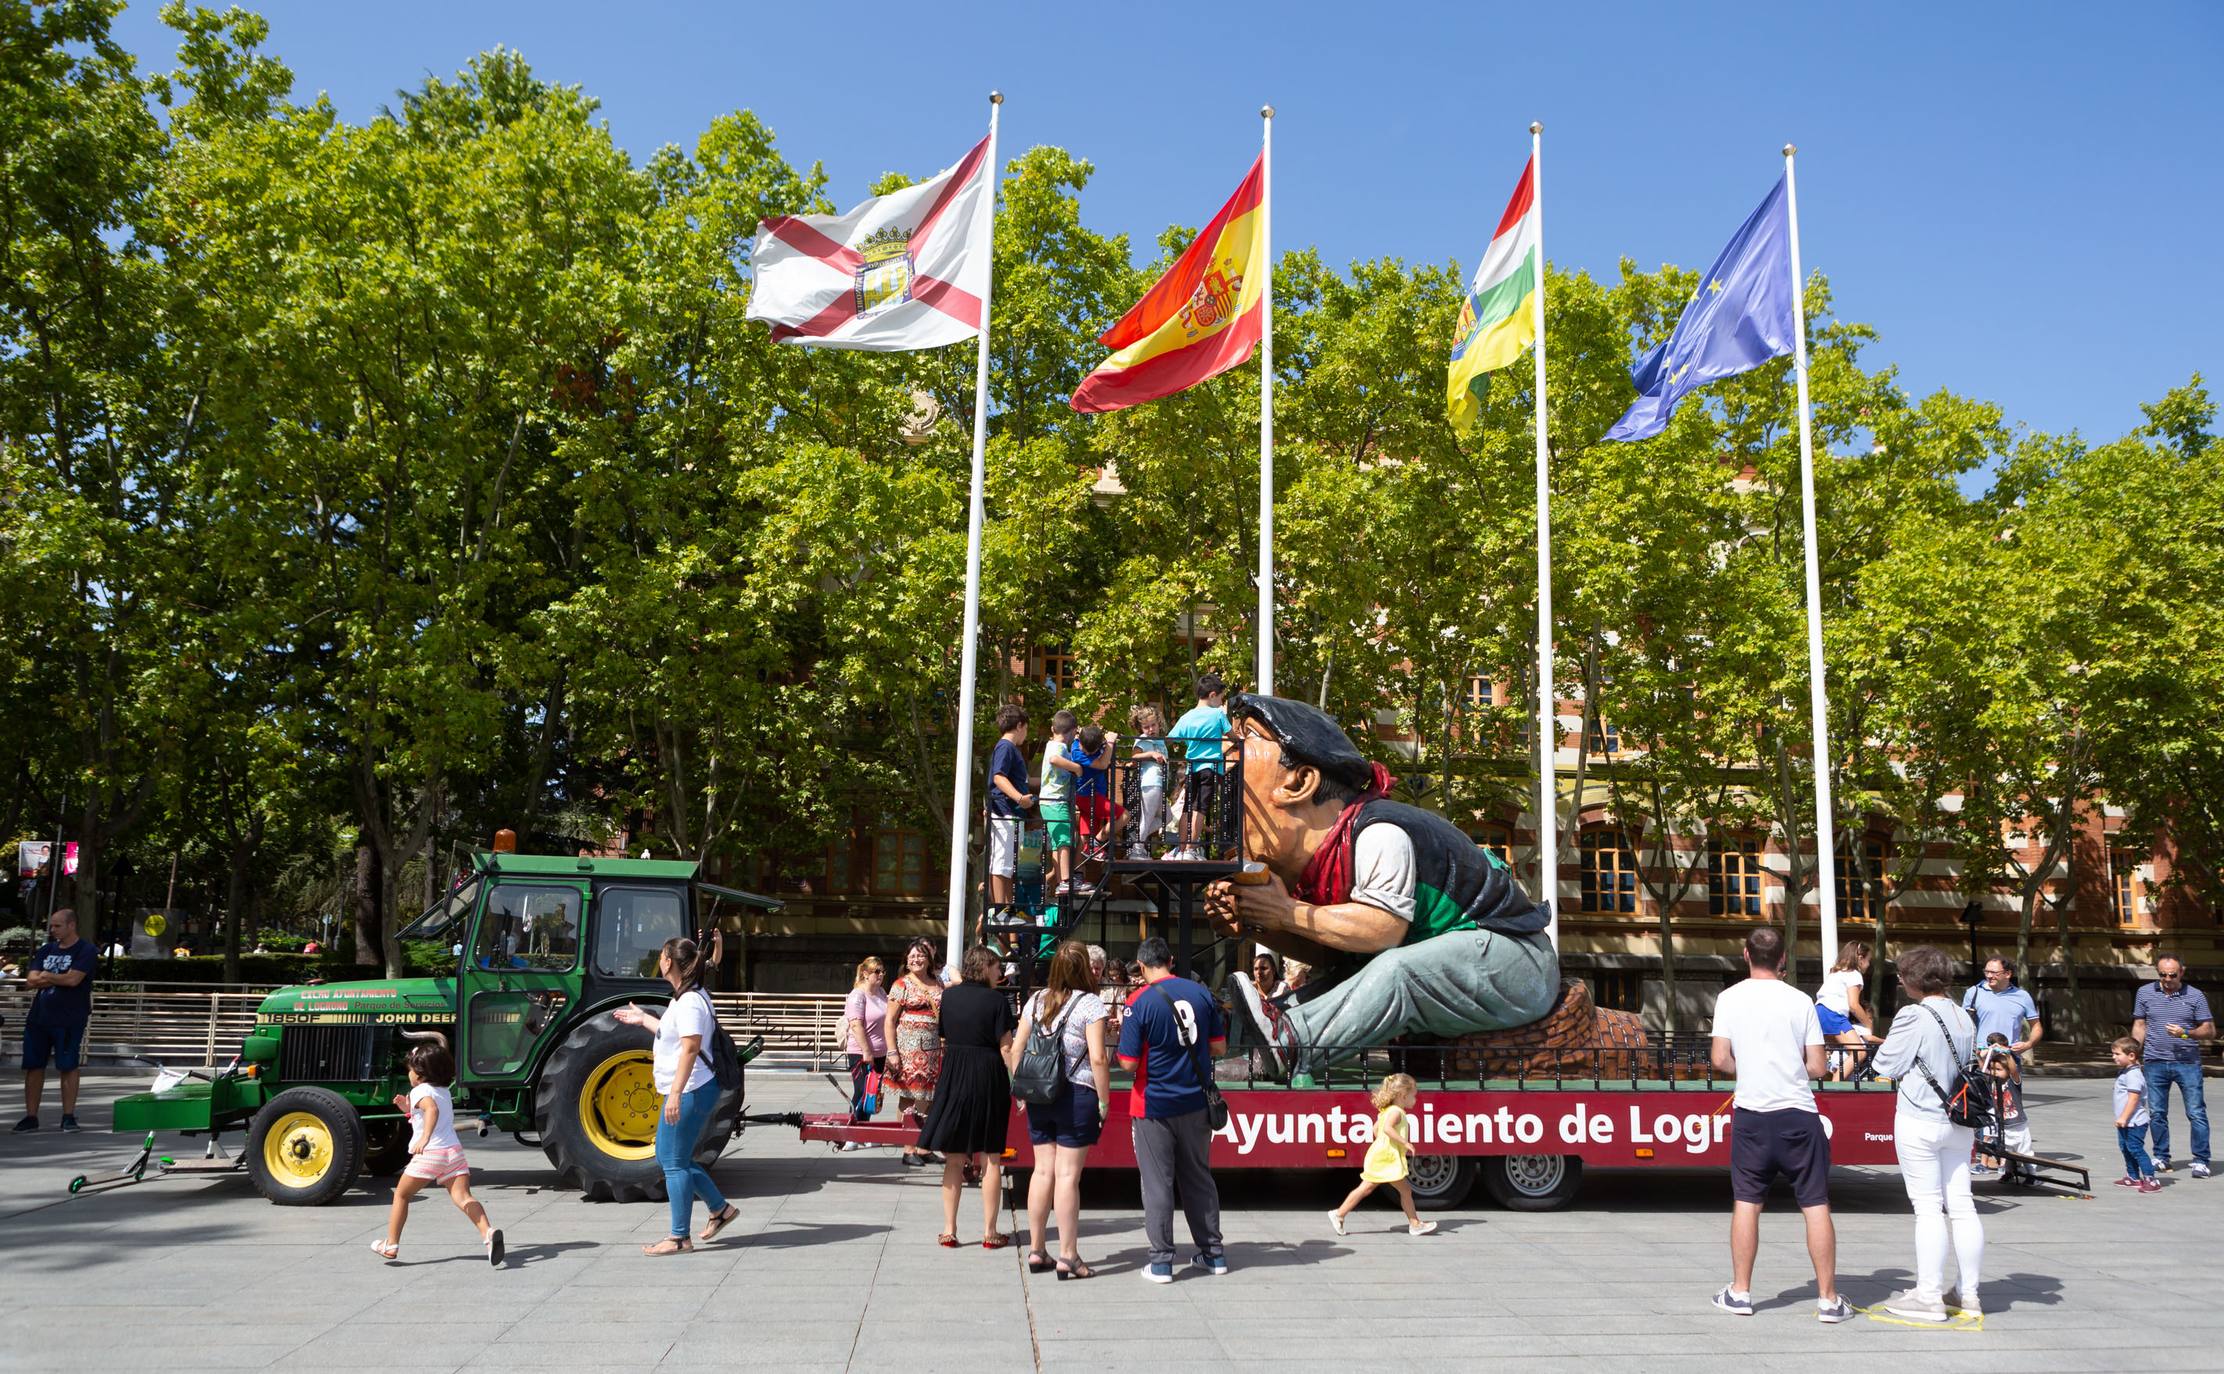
[435,1036]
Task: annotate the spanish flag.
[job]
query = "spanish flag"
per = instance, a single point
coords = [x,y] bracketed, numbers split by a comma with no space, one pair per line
[1200,320]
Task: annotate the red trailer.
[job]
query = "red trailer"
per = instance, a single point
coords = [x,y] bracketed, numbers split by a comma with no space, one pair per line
[1527,1140]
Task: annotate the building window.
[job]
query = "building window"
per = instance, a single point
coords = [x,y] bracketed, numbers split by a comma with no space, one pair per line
[1601,736]
[1609,873]
[1734,878]
[1861,899]
[1057,671]
[899,863]
[1482,693]
[1498,842]
[2123,874]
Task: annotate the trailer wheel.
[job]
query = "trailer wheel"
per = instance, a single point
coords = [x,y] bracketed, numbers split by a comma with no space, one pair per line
[596,1109]
[1532,1183]
[1440,1182]
[385,1147]
[304,1147]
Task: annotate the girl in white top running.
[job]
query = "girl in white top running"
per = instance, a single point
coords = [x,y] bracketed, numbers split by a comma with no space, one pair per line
[1838,1006]
[435,1154]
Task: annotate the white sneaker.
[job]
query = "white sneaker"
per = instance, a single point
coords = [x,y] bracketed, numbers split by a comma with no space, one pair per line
[2199,1170]
[1916,1307]
[1420,1228]
[1336,1219]
[1970,1306]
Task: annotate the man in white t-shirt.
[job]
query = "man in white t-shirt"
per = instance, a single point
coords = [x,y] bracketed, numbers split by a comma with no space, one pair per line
[1765,1032]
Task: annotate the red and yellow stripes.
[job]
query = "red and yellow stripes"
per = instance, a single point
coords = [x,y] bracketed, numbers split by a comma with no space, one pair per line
[1201,319]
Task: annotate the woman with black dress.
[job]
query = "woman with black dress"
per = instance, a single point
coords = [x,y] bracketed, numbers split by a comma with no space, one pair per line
[973,1099]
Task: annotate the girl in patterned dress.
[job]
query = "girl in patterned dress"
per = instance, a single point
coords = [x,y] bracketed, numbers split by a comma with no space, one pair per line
[915,1039]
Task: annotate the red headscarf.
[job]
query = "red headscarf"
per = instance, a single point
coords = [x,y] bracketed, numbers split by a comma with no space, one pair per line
[1327,876]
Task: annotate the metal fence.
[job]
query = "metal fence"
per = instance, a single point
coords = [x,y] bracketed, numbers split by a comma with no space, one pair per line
[194,1026]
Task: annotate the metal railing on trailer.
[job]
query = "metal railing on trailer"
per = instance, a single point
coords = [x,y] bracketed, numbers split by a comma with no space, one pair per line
[192,1026]
[1204,845]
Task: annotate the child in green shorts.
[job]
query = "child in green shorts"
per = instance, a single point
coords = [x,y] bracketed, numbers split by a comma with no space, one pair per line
[1054,800]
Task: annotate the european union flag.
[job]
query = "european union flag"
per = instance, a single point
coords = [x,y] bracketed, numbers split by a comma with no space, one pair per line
[1740,317]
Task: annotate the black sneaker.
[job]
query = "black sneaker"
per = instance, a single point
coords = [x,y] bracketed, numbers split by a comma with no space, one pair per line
[69,1123]
[27,1125]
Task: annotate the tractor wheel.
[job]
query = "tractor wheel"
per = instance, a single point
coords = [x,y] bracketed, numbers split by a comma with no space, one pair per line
[596,1109]
[304,1147]
[385,1147]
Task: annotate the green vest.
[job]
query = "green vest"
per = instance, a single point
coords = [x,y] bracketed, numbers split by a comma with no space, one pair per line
[1457,884]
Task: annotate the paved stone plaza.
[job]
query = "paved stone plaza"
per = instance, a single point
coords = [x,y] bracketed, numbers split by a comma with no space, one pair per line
[834,1266]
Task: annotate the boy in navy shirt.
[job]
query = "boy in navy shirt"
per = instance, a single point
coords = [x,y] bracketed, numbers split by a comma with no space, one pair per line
[1167,1040]
[1008,796]
[61,980]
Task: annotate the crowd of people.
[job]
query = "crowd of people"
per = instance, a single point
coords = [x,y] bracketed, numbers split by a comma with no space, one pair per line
[1954,1066]
[949,1053]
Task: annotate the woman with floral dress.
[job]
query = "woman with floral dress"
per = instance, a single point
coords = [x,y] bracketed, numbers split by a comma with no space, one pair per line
[915,1039]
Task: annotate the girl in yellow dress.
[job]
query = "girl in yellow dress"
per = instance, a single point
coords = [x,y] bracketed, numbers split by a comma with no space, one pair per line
[1386,1156]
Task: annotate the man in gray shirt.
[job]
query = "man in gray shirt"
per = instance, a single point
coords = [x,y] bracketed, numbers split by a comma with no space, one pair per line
[2171,1020]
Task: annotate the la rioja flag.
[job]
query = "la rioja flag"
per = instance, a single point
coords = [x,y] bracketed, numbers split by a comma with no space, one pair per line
[901,271]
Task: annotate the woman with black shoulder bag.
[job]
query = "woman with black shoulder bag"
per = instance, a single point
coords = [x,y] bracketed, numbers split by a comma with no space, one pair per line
[1926,1054]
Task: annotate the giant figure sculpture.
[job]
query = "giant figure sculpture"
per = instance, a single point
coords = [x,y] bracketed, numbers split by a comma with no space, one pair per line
[1411,926]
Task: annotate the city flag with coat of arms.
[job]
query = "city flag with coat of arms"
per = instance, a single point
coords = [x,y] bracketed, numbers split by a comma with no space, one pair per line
[901,271]
[1201,319]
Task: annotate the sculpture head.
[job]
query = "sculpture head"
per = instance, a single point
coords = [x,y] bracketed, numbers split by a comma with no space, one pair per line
[1300,770]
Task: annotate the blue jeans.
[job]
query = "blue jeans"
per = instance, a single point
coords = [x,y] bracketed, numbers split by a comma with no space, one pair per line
[684,1179]
[2160,1075]
[2132,1140]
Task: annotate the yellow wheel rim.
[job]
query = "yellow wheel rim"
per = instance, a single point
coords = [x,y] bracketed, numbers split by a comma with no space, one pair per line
[619,1106]
[298,1149]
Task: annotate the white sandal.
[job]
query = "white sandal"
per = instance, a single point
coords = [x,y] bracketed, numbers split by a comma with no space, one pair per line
[385,1251]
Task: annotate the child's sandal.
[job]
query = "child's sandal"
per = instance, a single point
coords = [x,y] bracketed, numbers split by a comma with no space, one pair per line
[385,1251]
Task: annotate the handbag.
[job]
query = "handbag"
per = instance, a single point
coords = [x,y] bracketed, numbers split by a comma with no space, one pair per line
[1216,1106]
[1039,1078]
[1965,1103]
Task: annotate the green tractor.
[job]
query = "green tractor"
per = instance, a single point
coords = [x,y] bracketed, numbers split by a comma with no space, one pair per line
[546,949]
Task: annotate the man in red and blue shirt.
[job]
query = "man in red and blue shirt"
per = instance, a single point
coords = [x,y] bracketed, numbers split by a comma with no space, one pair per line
[1171,1030]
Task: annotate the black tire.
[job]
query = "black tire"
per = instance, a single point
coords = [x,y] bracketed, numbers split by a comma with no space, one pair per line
[595,1109]
[385,1147]
[1440,1182]
[1532,1183]
[305,1147]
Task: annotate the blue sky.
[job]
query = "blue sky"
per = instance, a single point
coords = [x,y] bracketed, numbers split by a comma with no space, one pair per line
[2024,199]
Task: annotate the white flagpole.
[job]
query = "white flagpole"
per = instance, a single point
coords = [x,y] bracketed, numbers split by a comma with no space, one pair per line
[961,800]
[1548,711]
[1266,402]
[1826,845]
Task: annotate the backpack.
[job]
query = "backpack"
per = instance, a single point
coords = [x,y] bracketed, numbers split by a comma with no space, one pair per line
[1967,1100]
[1039,1078]
[725,1057]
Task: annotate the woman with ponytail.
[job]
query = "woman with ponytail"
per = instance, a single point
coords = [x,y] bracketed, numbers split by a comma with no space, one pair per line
[690,1090]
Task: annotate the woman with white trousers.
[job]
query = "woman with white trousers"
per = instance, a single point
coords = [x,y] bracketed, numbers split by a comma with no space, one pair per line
[1929,1040]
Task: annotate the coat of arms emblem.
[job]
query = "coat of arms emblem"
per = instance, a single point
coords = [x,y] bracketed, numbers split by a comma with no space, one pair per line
[884,277]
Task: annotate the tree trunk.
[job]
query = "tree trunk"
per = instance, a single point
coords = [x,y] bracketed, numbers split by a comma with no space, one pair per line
[235,896]
[370,939]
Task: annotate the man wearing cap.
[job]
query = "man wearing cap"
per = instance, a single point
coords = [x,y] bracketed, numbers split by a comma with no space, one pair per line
[1410,925]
